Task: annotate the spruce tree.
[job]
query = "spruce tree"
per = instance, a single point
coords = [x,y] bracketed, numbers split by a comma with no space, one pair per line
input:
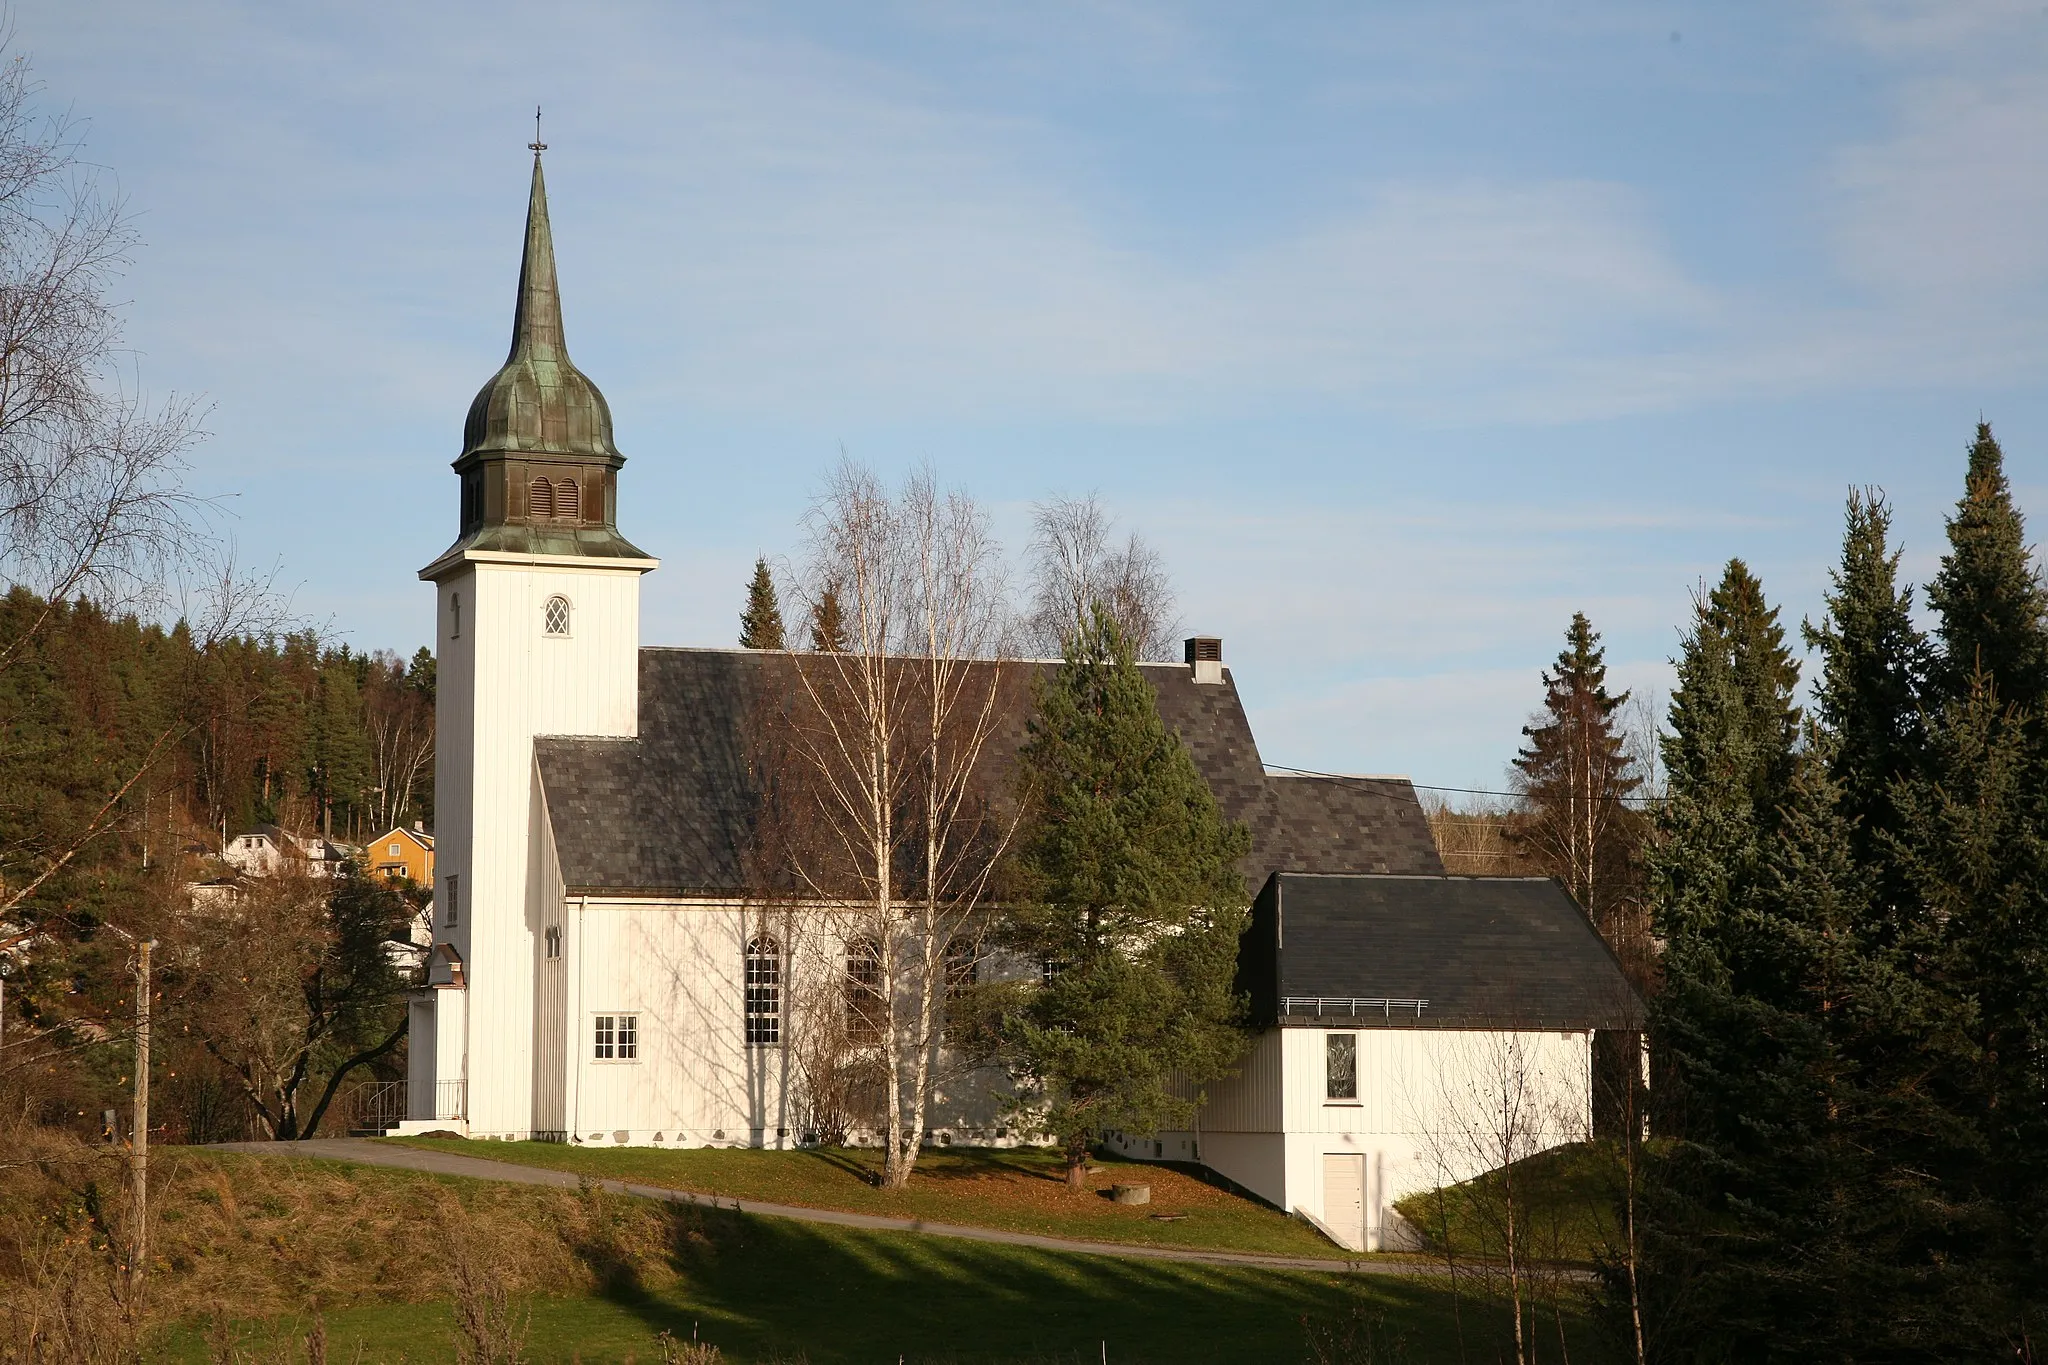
[1576,778]
[1874,666]
[828,626]
[1126,886]
[761,622]
[1973,849]
[1992,607]
[1765,673]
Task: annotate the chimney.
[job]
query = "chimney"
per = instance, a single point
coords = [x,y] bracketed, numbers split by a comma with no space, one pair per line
[1205,656]
[419,827]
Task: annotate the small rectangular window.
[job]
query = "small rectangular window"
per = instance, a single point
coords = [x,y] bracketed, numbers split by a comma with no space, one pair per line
[615,1037]
[453,916]
[1341,1066]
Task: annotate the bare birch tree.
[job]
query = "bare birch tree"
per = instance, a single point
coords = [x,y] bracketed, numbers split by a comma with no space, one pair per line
[91,497]
[886,739]
[1077,563]
[1496,1099]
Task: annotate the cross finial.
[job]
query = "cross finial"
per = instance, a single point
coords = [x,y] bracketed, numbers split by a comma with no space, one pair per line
[536,146]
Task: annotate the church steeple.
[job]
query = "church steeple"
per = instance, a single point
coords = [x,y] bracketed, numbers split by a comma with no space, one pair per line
[539,468]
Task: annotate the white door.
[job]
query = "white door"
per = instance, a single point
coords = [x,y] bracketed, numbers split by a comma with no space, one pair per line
[1344,1199]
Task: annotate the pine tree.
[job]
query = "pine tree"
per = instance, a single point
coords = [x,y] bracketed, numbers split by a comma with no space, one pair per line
[1127,887]
[828,627]
[1992,607]
[761,622]
[1576,779]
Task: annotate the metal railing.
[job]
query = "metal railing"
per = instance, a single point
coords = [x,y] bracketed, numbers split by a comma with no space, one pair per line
[374,1108]
[438,1100]
[1350,1006]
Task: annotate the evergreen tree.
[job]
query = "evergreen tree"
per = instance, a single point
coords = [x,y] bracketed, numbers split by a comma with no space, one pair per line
[761,622]
[1576,779]
[1765,674]
[1992,607]
[421,673]
[828,627]
[1973,849]
[1874,665]
[1127,887]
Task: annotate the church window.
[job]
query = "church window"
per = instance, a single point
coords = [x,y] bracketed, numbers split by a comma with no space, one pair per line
[764,991]
[455,616]
[1340,1066]
[555,619]
[567,503]
[866,1008]
[452,912]
[551,942]
[963,966]
[540,499]
[615,1037]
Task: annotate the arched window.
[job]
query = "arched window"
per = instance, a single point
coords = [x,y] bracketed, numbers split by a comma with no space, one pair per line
[540,499]
[551,942]
[567,502]
[555,619]
[866,1009]
[455,616]
[963,966]
[764,991]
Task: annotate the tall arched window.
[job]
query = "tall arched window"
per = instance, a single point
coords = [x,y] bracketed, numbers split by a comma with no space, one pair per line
[568,503]
[555,617]
[963,966]
[764,991]
[540,499]
[866,1009]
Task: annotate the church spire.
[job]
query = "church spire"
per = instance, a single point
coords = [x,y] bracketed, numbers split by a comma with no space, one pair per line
[538,467]
[537,319]
[539,403]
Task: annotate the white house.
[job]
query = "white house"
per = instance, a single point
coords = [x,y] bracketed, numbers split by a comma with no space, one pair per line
[268,850]
[603,971]
[1415,1031]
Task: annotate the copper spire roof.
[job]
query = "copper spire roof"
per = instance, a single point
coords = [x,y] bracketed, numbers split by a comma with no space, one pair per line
[539,403]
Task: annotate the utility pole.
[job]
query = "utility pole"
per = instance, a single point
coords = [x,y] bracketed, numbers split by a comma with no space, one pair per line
[138,1159]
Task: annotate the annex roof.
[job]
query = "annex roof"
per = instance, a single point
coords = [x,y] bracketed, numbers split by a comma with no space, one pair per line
[672,812]
[1429,952]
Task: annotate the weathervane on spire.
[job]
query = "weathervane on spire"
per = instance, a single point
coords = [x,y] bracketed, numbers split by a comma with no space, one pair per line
[536,146]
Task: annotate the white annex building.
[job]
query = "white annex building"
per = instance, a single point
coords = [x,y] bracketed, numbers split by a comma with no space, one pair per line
[602,973]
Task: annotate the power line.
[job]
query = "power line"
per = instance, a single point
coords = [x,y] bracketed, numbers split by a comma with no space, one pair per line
[1462,791]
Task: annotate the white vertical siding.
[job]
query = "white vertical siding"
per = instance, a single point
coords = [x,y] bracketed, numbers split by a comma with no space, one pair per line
[504,681]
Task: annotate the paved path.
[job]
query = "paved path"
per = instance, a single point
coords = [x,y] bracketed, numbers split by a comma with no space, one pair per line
[371,1152]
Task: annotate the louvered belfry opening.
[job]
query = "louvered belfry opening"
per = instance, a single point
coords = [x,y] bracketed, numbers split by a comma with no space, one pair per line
[567,506]
[540,500]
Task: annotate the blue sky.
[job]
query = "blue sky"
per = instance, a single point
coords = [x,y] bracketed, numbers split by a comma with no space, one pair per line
[1404,330]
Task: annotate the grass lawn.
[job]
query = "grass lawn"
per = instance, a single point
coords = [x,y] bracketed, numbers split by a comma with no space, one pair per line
[767,1290]
[1565,1202]
[1022,1190]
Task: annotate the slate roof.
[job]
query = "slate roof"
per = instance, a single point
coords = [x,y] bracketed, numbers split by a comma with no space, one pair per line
[1491,952]
[672,812]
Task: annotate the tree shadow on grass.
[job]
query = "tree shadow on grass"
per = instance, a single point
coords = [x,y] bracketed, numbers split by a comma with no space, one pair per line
[760,1287]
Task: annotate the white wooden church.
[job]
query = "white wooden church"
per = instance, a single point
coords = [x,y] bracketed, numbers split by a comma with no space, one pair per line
[600,977]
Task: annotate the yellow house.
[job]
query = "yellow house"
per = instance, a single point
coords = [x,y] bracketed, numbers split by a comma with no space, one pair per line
[402,852]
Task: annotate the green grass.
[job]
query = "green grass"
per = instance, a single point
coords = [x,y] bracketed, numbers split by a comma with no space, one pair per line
[1564,1207]
[767,1289]
[1019,1190]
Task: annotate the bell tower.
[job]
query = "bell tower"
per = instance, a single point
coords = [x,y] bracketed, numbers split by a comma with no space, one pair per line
[537,633]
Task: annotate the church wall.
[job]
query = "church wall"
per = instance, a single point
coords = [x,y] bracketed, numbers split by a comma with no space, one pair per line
[678,967]
[521,683]
[545,913]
